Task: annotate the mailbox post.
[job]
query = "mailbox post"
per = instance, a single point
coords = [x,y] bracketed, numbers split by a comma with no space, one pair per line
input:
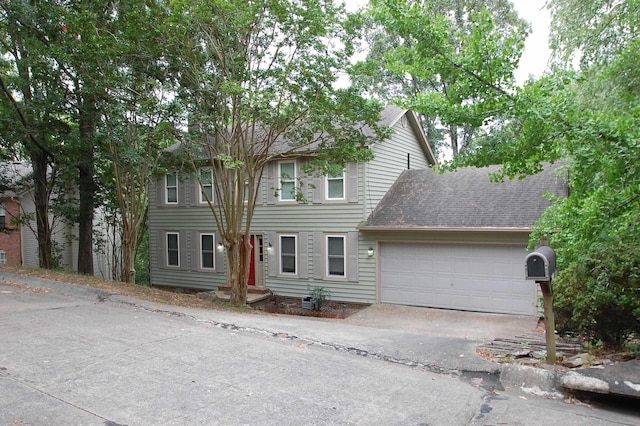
[540,265]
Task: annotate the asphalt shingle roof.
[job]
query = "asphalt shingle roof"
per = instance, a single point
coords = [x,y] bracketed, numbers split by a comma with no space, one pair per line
[465,199]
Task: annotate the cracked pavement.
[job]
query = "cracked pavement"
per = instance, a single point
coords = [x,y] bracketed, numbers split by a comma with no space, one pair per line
[79,356]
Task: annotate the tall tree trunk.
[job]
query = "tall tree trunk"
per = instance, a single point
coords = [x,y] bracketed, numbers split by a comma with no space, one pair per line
[86,184]
[40,198]
[453,136]
[129,246]
[238,257]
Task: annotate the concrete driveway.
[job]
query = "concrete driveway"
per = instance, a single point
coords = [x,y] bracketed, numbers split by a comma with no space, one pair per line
[442,322]
[79,356]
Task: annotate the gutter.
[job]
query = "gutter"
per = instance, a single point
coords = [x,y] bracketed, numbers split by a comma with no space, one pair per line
[441,229]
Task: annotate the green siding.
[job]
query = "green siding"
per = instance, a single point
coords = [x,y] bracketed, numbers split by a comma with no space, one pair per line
[391,160]
[308,220]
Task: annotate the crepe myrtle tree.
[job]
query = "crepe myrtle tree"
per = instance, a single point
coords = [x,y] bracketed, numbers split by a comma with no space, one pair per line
[258,81]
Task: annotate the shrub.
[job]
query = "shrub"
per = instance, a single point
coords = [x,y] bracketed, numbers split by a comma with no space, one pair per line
[599,294]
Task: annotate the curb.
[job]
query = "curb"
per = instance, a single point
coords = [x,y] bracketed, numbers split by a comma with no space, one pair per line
[532,380]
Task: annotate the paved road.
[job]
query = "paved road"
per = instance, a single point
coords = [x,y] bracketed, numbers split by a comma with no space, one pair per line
[76,356]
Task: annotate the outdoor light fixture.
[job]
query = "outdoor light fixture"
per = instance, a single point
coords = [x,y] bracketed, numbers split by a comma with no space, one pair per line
[220,248]
[370,252]
[269,248]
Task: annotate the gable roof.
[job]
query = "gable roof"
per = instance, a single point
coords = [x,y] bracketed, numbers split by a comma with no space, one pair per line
[464,200]
[388,117]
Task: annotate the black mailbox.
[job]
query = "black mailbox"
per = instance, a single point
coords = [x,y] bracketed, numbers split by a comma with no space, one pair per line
[540,265]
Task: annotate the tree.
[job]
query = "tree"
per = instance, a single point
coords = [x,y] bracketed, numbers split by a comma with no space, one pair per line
[455,67]
[138,124]
[31,96]
[257,80]
[590,119]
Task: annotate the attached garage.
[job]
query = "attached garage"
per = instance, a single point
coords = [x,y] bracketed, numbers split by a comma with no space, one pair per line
[473,277]
[457,240]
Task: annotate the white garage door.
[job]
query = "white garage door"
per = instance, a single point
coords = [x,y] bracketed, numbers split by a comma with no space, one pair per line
[484,278]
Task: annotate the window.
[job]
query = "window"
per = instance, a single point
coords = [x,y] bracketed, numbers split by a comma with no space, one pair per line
[246,191]
[3,217]
[287,181]
[171,188]
[3,257]
[206,185]
[336,249]
[334,186]
[288,253]
[173,249]
[207,251]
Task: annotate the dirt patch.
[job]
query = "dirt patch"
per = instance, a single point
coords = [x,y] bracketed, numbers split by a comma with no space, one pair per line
[151,294]
[293,306]
[184,297]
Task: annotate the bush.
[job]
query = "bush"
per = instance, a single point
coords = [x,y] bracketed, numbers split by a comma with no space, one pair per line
[598,296]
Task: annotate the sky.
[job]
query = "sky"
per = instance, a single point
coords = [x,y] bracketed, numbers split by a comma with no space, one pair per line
[535,57]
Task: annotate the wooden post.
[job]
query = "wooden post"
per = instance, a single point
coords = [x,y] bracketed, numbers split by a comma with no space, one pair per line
[549,321]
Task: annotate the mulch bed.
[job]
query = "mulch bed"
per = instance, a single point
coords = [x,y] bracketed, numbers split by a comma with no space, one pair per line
[293,306]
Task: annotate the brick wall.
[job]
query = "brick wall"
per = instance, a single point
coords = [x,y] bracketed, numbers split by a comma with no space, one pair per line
[10,235]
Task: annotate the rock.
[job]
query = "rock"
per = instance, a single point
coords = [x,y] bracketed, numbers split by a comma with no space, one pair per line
[575,361]
[578,382]
[620,380]
[539,354]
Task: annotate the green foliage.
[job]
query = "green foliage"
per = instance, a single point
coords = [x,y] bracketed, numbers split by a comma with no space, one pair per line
[455,67]
[143,277]
[591,120]
[320,295]
[599,294]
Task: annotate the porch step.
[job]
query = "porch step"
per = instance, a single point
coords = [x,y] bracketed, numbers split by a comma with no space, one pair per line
[251,297]
[250,289]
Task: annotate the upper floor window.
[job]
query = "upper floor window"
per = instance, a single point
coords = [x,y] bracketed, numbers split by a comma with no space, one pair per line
[336,252]
[206,185]
[287,174]
[288,254]
[3,217]
[207,251]
[173,249]
[3,257]
[334,186]
[171,188]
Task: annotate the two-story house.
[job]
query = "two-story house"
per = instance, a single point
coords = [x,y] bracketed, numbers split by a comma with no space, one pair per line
[296,245]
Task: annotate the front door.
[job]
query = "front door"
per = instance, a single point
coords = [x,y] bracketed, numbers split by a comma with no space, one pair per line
[257,258]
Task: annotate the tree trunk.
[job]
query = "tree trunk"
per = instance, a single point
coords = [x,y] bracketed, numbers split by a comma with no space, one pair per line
[129,245]
[40,199]
[86,185]
[238,257]
[453,136]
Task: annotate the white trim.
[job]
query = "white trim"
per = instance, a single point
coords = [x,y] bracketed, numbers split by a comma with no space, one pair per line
[289,179]
[296,255]
[345,252]
[202,185]
[166,240]
[201,252]
[167,187]
[327,178]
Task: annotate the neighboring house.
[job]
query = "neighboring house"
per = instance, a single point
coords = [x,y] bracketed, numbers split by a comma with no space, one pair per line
[297,246]
[10,240]
[457,240]
[20,243]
